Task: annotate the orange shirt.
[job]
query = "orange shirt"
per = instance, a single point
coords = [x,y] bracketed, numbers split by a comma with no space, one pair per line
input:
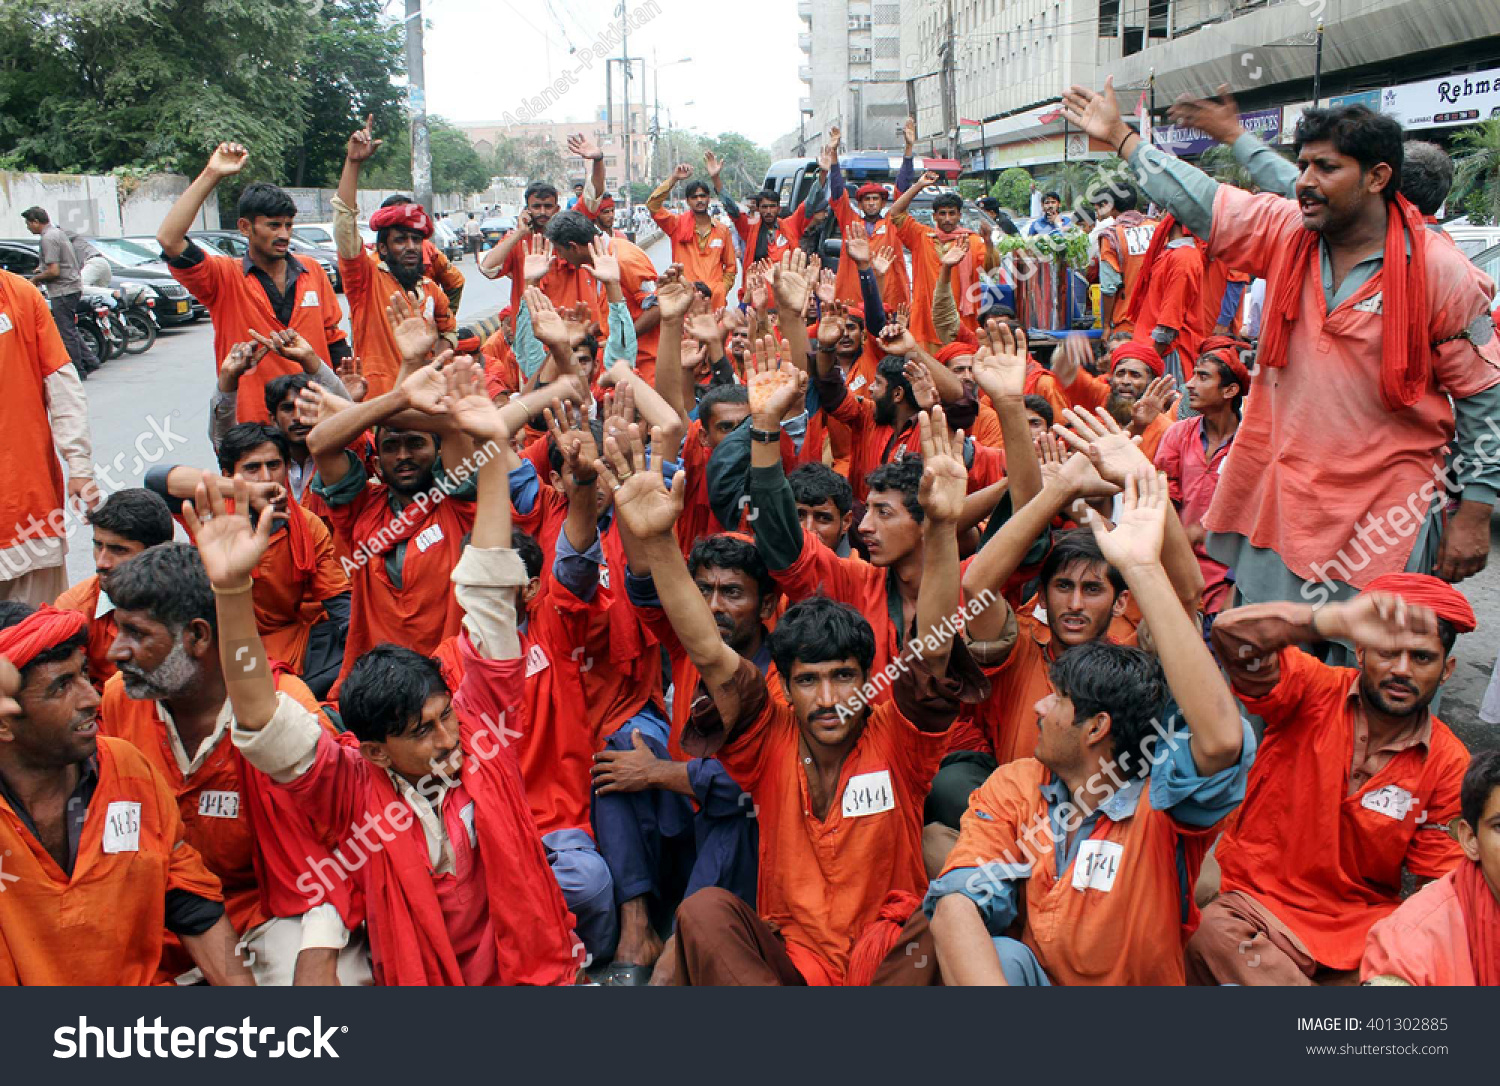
[30,351]
[822,882]
[1088,392]
[925,267]
[563,284]
[1299,449]
[502,371]
[1326,861]
[289,601]
[987,428]
[896,290]
[368,285]
[83,597]
[637,283]
[1123,247]
[1172,300]
[707,258]
[106,923]
[444,273]
[237,303]
[1115,920]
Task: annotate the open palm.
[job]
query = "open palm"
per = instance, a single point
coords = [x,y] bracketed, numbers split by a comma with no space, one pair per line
[229,544]
[1136,538]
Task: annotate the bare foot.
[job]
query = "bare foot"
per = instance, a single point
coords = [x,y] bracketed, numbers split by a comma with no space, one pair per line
[639,944]
[665,973]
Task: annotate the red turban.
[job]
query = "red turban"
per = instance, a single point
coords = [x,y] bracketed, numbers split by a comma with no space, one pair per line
[870,188]
[954,350]
[406,216]
[468,341]
[1425,590]
[605,203]
[43,629]
[1141,352]
[856,311]
[1227,349]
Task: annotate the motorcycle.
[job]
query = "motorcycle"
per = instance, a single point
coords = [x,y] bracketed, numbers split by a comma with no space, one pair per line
[137,316]
[97,322]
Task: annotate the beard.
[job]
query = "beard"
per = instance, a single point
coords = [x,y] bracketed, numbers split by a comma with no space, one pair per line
[885,411]
[408,277]
[1120,408]
[1372,695]
[171,677]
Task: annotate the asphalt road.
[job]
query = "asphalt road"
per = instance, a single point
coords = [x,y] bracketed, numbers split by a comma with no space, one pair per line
[153,408]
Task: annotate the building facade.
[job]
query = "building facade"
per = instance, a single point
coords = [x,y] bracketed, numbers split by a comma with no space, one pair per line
[851,71]
[486,136]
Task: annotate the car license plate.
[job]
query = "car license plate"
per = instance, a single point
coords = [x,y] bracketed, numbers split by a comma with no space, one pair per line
[182,307]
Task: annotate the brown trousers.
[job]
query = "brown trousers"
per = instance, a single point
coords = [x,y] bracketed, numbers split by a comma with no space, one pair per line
[1239,942]
[721,941]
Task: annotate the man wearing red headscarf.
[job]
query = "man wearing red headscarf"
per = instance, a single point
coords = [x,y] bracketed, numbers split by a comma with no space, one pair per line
[75,802]
[928,245]
[1136,394]
[703,247]
[1192,451]
[1448,933]
[1165,308]
[1360,297]
[1355,782]
[866,210]
[396,266]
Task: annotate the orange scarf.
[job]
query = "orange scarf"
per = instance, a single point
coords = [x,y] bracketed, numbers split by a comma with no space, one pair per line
[1481,920]
[1405,355]
[1136,302]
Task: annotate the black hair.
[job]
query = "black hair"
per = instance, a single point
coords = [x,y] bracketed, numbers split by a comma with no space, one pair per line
[168,583]
[35,214]
[278,387]
[1052,196]
[137,514]
[718,394]
[524,544]
[703,288]
[554,454]
[988,203]
[1123,681]
[395,200]
[591,343]
[541,190]
[1227,376]
[1447,634]
[694,187]
[242,439]
[724,551]
[816,483]
[13,612]
[904,475]
[1480,779]
[570,228]
[1078,545]
[1368,137]
[1426,175]
[766,194]
[893,368]
[385,690]
[261,199]
[1041,406]
[816,630]
[947,199]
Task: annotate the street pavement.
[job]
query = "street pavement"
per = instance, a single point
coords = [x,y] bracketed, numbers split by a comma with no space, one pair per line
[152,409]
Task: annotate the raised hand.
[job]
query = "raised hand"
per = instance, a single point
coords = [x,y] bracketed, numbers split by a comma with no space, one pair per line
[682,172]
[1377,620]
[230,546]
[606,265]
[1098,114]
[467,401]
[789,277]
[315,403]
[775,385]
[953,255]
[538,258]
[701,323]
[1157,398]
[674,294]
[1000,363]
[857,244]
[896,338]
[288,343]
[922,387]
[945,481]
[928,179]
[362,144]
[1072,470]
[713,164]
[882,259]
[580,145]
[1135,542]
[835,137]
[227,159]
[1111,450]
[546,321]
[825,158]
[351,371]
[415,335]
[909,133]
[242,359]
[831,327]
[641,498]
[1218,118]
[426,387]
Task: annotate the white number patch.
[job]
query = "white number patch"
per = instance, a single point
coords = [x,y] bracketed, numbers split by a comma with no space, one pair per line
[219,804]
[427,537]
[536,660]
[5,325]
[1391,801]
[1097,865]
[122,827]
[309,299]
[868,794]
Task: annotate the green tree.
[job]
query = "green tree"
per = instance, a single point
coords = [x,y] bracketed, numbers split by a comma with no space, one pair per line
[1219,163]
[745,163]
[1070,180]
[971,188]
[1013,189]
[1476,171]
[456,166]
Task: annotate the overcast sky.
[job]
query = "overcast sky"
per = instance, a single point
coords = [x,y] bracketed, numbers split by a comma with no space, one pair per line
[488,57]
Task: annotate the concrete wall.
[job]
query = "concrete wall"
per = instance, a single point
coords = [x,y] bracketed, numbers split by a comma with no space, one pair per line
[314,205]
[106,206]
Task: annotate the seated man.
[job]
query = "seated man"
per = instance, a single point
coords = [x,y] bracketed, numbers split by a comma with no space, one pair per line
[823,767]
[1356,782]
[1446,933]
[143,879]
[1135,395]
[457,888]
[1099,872]
[128,522]
[825,505]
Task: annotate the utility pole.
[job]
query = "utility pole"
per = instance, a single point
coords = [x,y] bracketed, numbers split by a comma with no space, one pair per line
[416,108]
[625,67]
[950,93]
[1318,69]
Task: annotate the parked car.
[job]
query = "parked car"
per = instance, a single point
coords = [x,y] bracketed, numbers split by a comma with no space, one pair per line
[233,243]
[447,242]
[315,233]
[496,227]
[140,263]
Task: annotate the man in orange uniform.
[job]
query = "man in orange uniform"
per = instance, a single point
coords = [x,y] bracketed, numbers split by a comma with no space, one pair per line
[45,417]
[396,265]
[1356,780]
[97,865]
[866,210]
[171,702]
[1109,899]
[822,762]
[1133,395]
[927,244]
[1166,310]
[1448,932]
[573,234]
[1122,251]
[435,265]
[269,289]
[127,523]
[564,283]
[703,247]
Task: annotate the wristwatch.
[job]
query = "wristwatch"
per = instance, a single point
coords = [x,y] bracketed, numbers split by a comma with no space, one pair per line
[765,437]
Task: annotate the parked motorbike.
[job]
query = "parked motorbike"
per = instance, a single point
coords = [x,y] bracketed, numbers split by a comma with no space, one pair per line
[137,317]
[99,323]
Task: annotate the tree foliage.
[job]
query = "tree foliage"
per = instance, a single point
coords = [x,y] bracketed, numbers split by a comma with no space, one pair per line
[1013,189]
[456,166]
[1476,171]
